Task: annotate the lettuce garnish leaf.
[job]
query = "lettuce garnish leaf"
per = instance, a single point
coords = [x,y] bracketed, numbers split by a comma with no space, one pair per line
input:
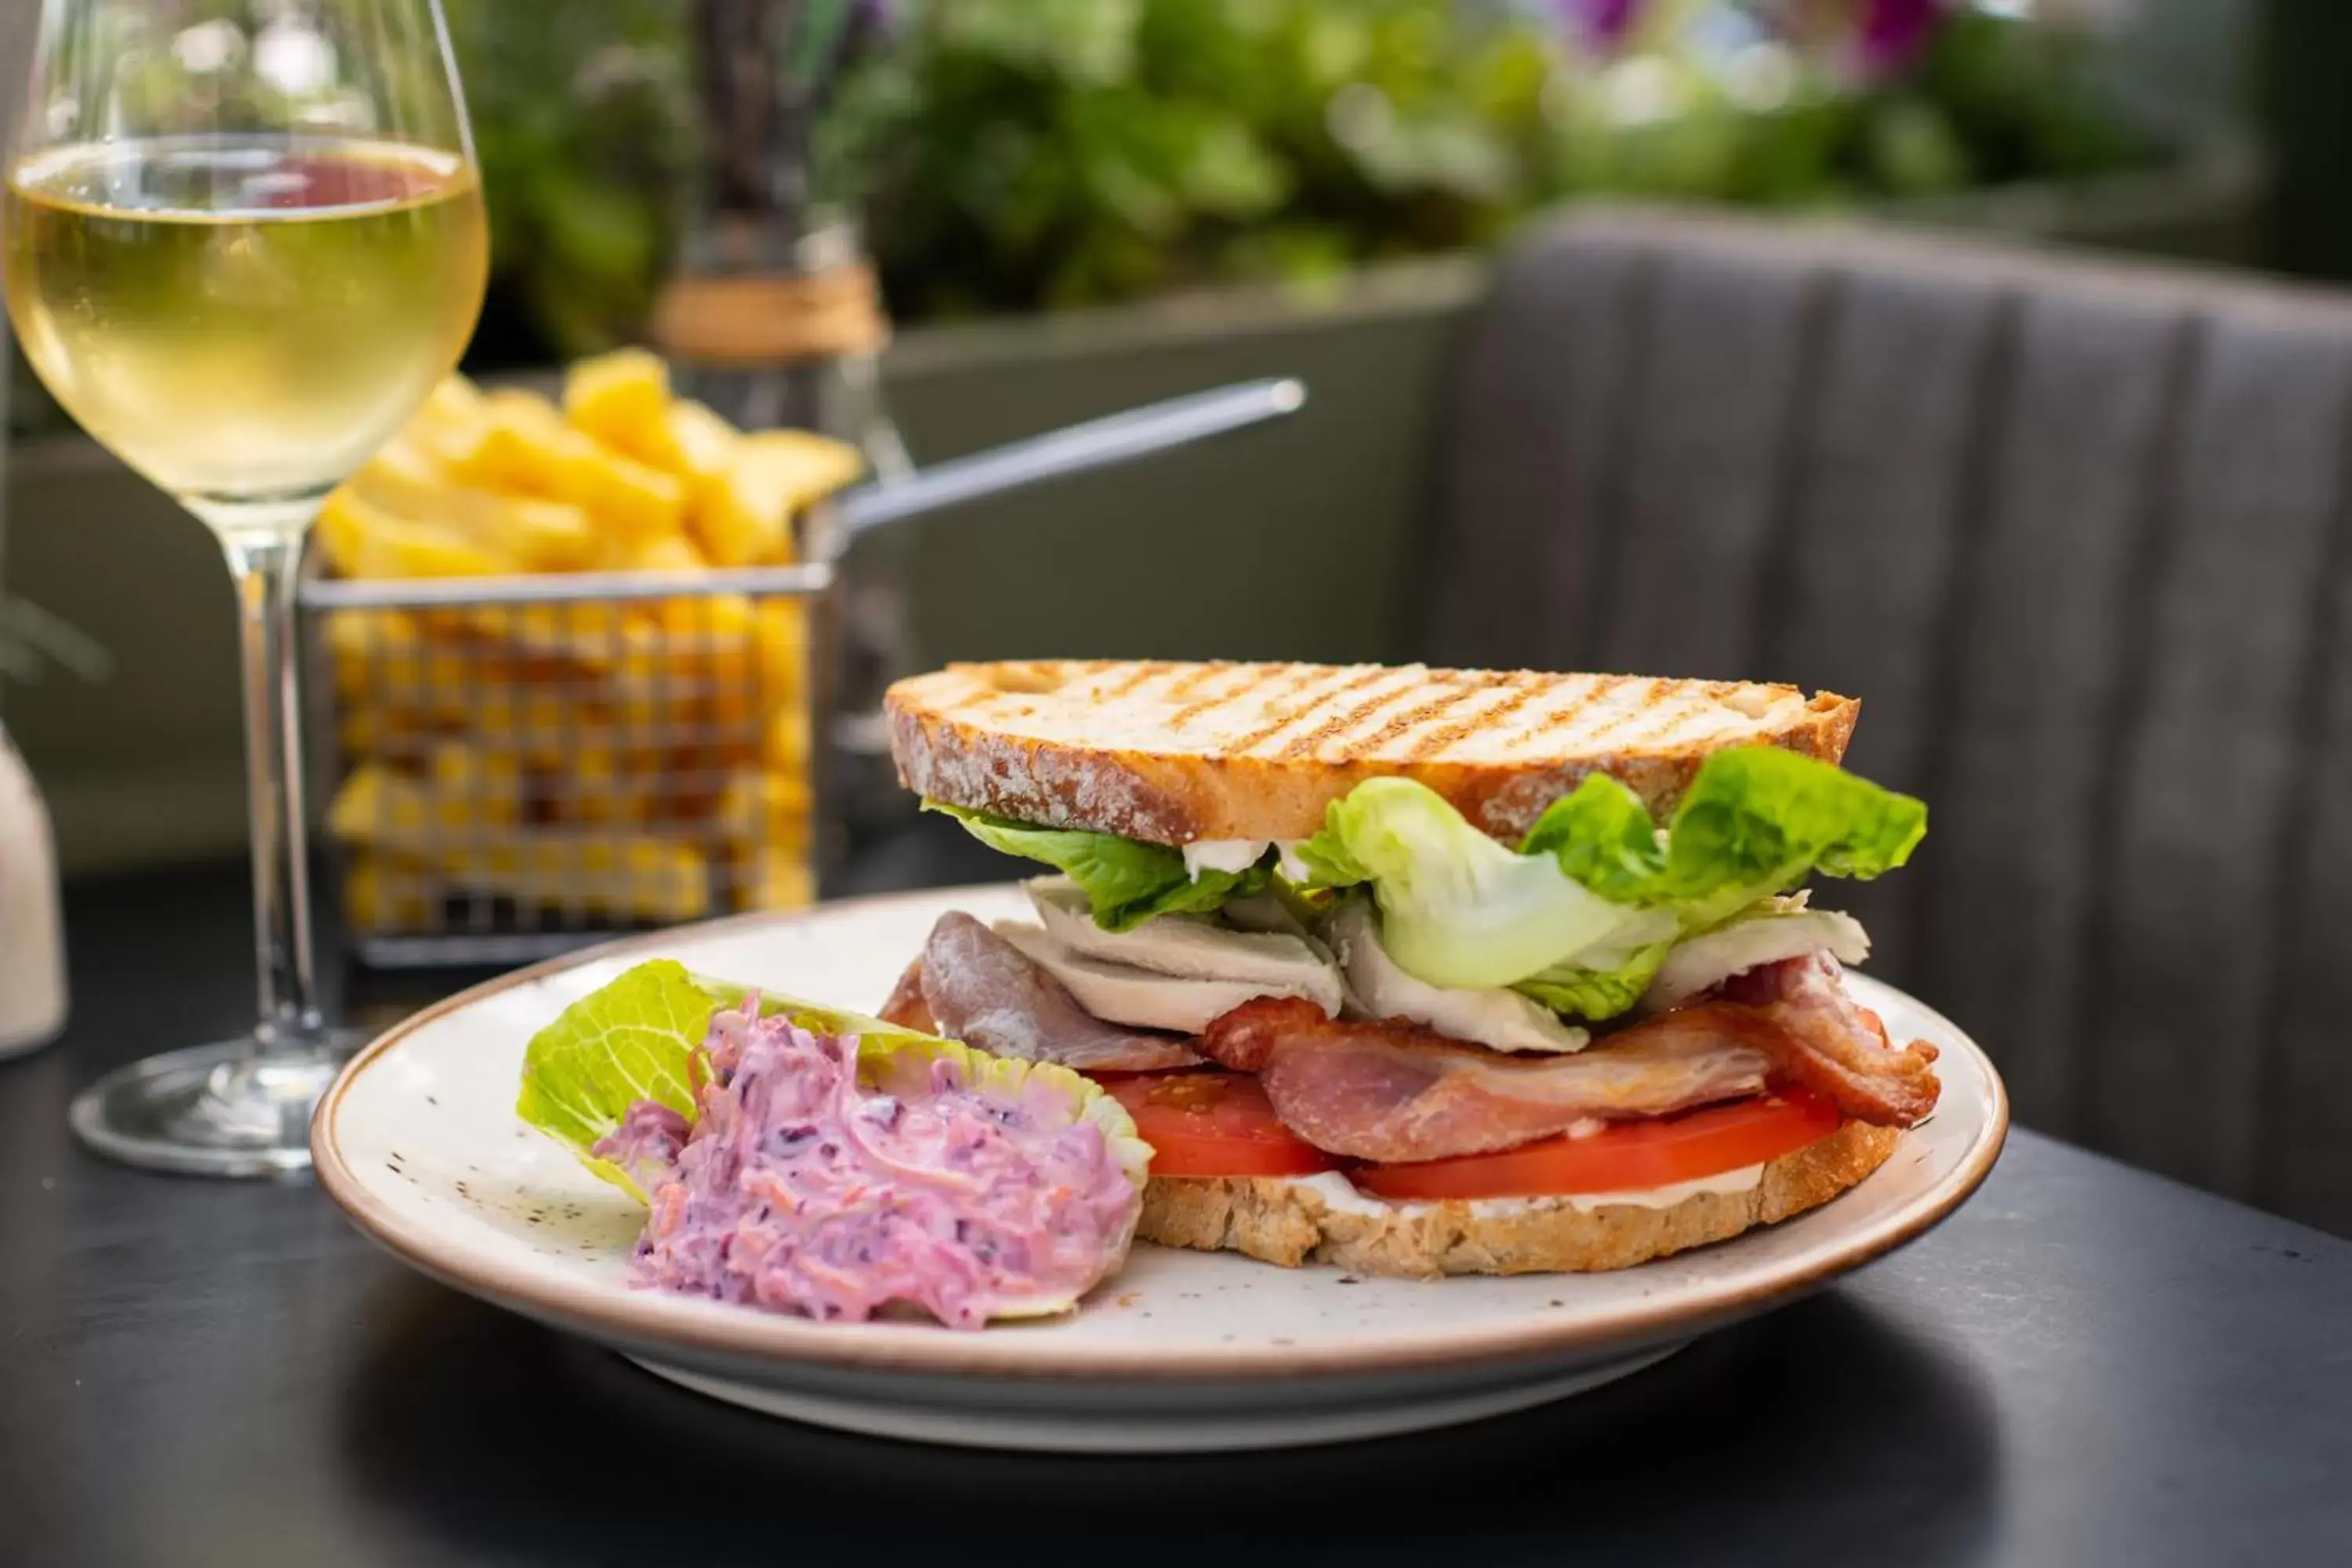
[633,1039]
[1126,880]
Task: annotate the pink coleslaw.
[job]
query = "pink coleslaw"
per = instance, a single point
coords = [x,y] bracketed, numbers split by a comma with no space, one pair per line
[798,1188]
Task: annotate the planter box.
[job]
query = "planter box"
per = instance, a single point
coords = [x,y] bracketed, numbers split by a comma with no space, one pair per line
[1292,542]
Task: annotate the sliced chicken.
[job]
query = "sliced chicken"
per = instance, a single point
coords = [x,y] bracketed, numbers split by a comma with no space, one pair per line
[1190,947]
[1701,962]
[1123,993]
[981,990]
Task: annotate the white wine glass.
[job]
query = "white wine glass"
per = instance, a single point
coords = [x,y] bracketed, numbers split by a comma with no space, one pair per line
[244,240]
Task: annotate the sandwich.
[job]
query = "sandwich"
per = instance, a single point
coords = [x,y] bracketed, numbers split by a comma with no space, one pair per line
[1427,972]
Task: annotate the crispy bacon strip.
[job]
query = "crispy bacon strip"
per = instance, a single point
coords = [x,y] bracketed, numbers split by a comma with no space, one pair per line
[1820,1038]
[1393,1091]
[981,989]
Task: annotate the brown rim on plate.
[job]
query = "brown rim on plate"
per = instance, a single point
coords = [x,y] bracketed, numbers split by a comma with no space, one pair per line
[1009,1348]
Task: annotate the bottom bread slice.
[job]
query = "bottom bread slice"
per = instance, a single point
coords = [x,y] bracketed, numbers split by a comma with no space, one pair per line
[1283,1220]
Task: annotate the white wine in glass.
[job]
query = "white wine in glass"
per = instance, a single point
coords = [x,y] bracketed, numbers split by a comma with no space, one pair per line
[243,241]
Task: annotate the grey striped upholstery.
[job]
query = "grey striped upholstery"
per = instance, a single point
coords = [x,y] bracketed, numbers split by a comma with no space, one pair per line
[2077,536]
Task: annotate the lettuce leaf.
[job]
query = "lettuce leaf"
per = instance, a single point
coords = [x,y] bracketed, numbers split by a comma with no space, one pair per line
[633,1039]
[1456,908]
[1594,994]
[1756,821]
[1602,834]
[1583,914]
[1126,880]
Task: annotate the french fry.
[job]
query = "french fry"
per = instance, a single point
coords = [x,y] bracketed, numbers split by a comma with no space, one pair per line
[524,444]
[776,879]
[360,642]
[785,748]
[385,733]
[474,787]
[706,635]
[383,893]
[363,540]
[456,402]
[464,790]
[763,808]
[407,481]
[600,785]
[669,552]
[745,518]
[659,880]
[623,400]
[703,442]
[636,878]
[779,636]
[589,636]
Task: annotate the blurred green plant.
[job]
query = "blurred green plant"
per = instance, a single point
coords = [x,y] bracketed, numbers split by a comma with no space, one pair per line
[1045,153]
[1037,153]
[584,120]
[1022,154]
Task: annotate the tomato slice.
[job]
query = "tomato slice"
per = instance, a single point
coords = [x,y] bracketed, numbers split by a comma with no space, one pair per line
[1625,1156]
[1213,1124]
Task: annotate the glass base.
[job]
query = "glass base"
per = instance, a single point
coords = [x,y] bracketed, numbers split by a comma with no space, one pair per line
[229,1109]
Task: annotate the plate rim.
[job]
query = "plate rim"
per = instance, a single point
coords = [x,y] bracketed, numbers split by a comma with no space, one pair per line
[647,1319]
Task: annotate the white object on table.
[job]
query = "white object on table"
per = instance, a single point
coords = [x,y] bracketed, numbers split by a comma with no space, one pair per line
[32,942]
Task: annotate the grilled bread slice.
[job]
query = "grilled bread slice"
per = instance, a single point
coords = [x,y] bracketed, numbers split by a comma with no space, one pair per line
[1174,754]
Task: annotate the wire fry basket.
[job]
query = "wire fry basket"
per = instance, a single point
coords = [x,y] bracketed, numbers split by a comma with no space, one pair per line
[520,766]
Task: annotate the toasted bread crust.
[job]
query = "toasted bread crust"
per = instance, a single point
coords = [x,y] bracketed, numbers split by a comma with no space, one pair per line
[1173,754]
[1277,1220]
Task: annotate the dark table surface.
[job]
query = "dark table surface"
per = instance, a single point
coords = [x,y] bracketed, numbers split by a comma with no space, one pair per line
[2086,1365]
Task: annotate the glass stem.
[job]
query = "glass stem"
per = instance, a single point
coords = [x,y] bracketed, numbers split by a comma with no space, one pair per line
[266,566]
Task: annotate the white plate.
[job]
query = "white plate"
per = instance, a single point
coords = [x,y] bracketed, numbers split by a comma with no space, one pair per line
[418,1141]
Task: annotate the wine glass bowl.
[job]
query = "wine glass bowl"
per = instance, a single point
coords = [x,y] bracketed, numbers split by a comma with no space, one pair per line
[241,242]
[243,321]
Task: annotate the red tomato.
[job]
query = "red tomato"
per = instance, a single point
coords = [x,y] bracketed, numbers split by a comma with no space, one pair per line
[1624,1156]
[1213,1124]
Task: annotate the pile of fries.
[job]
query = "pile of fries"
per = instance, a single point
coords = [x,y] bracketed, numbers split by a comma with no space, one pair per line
[593,761]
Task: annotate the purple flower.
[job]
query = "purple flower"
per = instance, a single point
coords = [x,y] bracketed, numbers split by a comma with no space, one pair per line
[1599,26]
[1893,31]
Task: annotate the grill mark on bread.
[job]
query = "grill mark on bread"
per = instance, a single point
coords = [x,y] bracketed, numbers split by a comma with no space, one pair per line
[1412,719]
[1658,694]
[1343,723]
[1185,685]
[1141,675]
[1311,673]
[1288,680]
[1544,724]
[1525,688]
[1214,700]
